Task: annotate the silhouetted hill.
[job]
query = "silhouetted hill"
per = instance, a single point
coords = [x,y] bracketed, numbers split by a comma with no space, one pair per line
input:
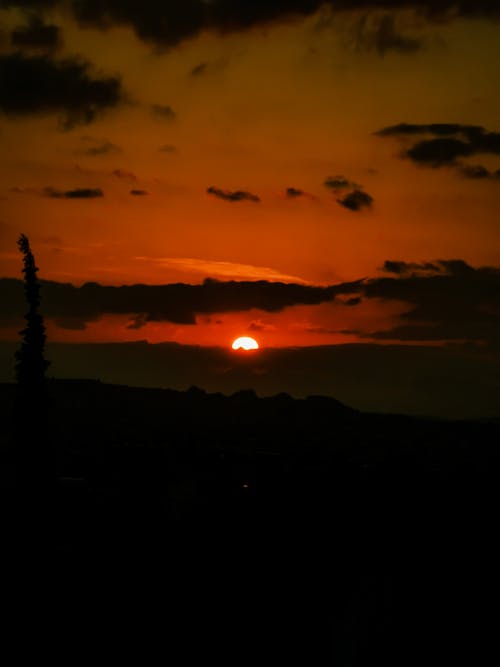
[451,381]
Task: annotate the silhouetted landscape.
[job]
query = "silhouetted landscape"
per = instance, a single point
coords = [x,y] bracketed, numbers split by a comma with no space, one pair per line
[345,534]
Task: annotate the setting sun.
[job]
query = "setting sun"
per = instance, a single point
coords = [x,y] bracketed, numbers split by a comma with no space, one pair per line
[245,343]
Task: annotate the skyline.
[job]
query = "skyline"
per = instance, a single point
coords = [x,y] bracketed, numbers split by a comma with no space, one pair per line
[306,173]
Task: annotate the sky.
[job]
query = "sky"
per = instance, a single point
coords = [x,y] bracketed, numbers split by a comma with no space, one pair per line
[308,173]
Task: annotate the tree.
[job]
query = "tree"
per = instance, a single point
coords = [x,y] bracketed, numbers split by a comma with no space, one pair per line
[34,453]
[31,364]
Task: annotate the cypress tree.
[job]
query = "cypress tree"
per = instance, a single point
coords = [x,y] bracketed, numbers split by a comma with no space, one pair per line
[35,456]
[30,359]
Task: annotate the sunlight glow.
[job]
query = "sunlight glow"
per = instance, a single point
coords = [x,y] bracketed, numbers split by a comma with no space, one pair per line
[245,343]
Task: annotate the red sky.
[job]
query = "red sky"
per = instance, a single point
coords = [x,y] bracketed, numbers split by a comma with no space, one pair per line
[253,103]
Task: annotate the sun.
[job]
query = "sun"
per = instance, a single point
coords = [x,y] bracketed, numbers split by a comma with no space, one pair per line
[245,343]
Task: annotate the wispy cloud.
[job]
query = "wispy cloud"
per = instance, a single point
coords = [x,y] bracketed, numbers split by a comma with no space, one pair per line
[216,268]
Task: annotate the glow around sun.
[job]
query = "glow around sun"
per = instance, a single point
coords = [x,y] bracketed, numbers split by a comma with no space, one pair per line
[245,343]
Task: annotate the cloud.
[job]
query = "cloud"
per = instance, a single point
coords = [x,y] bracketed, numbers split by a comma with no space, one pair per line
[406,268]
[438,129]
[259,325]
[294,192]
[78,193]
[442,300]
[478,172]
[178,303]
[439,152]
[380,34]
[337,183]
[167,24]
[232,195]
[138,193]
[447,300]
[356,200]
[104,148]
[353,301]
[36,35]
[163,111]
[40,85]
[222,269]
[446,145]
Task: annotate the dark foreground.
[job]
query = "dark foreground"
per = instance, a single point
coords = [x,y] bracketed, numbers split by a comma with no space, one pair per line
[193,528]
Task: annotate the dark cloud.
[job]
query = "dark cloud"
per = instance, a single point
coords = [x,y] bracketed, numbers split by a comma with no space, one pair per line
[405,268]
[78,193]
[259,325]
[104,148]
[232,195]
[438,129]
[354,301]
[137,322]
[475,171]
[164,24]
[167,24]
[294,192]
[447,144]
[337,183]
[36,35]
[381,34]
[40,85]
[163,111]
[439,152]
[356,200]
[138,193]
[447,300]
[177,303]
[478,172]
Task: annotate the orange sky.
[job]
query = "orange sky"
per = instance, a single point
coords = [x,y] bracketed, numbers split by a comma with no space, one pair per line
[278,106]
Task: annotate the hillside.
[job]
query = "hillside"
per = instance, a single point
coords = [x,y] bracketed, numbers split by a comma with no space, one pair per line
[213,446]
[324,521]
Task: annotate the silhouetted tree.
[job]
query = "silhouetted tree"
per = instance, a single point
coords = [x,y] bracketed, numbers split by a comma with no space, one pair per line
[35,456]
[30,360]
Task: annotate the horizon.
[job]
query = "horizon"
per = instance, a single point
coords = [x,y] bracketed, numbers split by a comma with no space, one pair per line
[418,381]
